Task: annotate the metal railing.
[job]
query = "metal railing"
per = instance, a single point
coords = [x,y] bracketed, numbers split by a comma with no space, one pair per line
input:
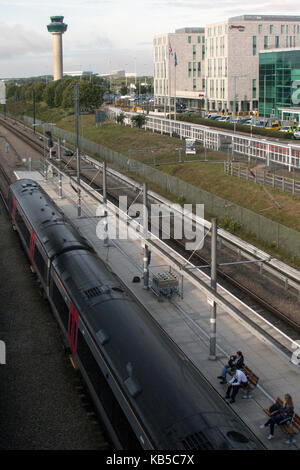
[263,177]
[270,151]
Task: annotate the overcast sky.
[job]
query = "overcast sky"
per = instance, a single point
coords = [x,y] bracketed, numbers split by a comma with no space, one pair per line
[106,35]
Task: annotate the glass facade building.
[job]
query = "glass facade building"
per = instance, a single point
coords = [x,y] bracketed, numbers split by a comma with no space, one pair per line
[279,81]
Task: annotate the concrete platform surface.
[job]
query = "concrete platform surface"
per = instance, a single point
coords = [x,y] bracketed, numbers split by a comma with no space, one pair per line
[187,321]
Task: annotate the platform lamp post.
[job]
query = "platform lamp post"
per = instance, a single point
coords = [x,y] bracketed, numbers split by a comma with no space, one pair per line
[213,275]
[147,255]
[77,147]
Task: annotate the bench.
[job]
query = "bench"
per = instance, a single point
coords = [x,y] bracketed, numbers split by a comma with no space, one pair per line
[291,426]
[252,381]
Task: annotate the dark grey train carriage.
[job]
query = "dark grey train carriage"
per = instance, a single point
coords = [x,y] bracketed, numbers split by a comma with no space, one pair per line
[148,393]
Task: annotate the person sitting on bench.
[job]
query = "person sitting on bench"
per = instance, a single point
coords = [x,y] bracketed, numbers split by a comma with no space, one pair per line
[237,361]
[279,414]
[238,380]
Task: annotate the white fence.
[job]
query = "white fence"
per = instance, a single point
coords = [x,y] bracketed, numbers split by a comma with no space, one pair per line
[269,151]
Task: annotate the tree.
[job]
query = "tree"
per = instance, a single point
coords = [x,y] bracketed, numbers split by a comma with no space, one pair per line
[120,118]
[49,94]
[62,84]
[138,120]
[124,90]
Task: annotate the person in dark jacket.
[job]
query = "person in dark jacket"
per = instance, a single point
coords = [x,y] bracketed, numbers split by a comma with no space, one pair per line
[280,414]
[237,361]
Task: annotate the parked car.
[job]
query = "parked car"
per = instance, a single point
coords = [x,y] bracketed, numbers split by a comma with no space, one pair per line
[260,124]
[224,118]
[274,125]
[288,129]
[296,134]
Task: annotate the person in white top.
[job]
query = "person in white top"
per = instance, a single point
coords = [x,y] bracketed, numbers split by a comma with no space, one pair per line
[238,380]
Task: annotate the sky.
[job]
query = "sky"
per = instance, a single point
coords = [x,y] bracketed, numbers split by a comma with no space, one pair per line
[106,35]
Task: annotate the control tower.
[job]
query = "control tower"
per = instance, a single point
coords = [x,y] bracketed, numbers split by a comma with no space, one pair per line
[57,28]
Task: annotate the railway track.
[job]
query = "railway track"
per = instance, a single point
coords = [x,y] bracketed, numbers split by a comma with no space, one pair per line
[91,423]
[246,295]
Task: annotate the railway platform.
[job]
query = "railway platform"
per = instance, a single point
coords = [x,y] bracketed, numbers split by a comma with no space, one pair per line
[186,319]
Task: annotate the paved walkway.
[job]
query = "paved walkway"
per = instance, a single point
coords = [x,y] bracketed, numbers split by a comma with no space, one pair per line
[187,322]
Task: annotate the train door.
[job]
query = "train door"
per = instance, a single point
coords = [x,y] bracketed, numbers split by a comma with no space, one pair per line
[73,329]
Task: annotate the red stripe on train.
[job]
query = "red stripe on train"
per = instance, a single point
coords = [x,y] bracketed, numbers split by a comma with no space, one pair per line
[73,329]
[32,245]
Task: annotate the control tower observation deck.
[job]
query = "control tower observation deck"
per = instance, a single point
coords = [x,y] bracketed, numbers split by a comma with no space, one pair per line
[57,27]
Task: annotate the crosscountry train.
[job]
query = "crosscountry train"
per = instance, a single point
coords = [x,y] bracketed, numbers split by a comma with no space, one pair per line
[147,392]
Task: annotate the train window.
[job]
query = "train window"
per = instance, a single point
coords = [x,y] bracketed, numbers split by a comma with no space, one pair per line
[22,227]
[105,395]
[60,305]
[40,262]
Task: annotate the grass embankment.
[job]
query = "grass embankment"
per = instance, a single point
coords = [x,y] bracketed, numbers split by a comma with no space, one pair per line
[152,148]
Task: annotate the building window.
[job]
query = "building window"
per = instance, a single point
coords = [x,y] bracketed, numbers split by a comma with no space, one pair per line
[209,68]
[265,42]
[220,68]
[287,28]
[199,69]
[298,29]
[194,84]
[286,41]
[194,69]
[254,88]
[203,83]
[194,52]
[203,52]
[225,66]
[254,45]
[260,28]
[190,69]
[225,28]
[291,41]
[282,29]
[189,39]
[271,29]
[277,41]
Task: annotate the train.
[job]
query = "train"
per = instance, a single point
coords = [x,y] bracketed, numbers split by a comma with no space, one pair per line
[149,395]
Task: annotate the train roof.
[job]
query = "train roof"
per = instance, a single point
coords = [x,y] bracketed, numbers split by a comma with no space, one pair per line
[161,383]
[55,233]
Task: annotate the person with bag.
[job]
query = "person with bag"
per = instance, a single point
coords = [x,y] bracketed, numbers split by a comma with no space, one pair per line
[280,414]
[236,360]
